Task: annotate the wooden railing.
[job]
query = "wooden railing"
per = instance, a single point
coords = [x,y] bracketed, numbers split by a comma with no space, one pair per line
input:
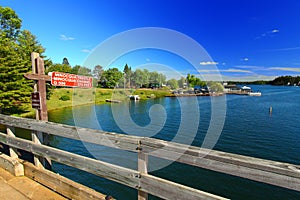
[275,173]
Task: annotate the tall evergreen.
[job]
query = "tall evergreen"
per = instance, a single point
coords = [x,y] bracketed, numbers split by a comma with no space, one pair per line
[16,46]
[65,61]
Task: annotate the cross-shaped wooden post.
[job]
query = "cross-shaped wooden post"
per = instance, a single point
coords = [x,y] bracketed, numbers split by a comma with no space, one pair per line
[38,75]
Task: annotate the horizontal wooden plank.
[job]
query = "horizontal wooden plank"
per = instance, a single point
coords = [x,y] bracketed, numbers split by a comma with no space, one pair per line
[276,173]
[106,170]
[60,184]
[170,190]
[259,175]
[38,77]
[271,172]
[109,139]
[128,177]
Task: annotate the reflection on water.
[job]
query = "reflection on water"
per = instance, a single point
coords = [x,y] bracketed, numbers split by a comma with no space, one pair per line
[249,129]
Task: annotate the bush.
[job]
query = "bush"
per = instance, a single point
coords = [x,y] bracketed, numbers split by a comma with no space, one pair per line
[64,98]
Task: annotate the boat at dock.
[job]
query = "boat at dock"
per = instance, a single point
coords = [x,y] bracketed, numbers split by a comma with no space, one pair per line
[238,90]
[134,97]
[254,93]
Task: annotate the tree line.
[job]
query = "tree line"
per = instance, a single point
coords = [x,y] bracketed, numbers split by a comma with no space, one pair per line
[113,77]
[278,81]
[16,46]
[286,80]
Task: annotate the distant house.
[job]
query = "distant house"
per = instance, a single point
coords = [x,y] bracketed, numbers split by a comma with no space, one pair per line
[201,89]
[231,88]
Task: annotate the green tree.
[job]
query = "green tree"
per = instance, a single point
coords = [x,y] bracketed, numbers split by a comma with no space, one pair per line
[140,77]
[84,71]
[65,61]
[194,81]
[59,68]
[215,86]
[286,80]
[15,60]
[97,72]
[111,78]
[10,23]
[173,83]
[127,75]
[182,82]
[154,77]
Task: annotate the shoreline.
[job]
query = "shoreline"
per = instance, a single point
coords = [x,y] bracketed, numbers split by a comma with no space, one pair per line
[96,96]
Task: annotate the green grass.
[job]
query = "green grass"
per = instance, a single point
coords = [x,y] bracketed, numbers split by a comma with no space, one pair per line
[151,93]
[92,96]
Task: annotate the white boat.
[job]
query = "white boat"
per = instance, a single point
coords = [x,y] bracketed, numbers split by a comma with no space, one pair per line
[134,97]
[246,88]
[254,94]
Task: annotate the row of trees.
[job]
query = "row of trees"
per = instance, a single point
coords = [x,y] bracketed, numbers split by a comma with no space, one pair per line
[16,46]
[286,80]
[113,77]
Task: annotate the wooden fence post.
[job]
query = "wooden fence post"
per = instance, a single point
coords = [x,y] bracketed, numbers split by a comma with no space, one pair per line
[41,114]
[13,152]
[142,168]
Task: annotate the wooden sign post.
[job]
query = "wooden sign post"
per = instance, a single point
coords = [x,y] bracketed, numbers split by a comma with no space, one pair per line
[40,85]
[39,89]
[39,96]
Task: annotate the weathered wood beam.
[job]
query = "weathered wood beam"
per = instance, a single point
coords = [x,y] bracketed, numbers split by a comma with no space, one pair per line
[109,139]
[109,171]
[169,190]
[37,77]
[125,176]
[194,154]
[275,173]
[60,184]
[13,152]
[142,168]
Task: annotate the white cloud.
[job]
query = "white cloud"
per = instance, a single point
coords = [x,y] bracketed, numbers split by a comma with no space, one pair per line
[237,70]
[86,50]
[209,63]
[268,34]
[286,49]
[253,67]
[249,78]
[220,77]
[245,59]
[66,38]
[291,69]
[230,70]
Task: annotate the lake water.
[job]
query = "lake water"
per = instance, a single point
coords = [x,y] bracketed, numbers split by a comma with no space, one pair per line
[233,123]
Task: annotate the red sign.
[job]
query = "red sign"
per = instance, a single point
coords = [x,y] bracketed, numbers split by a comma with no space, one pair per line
[35,100]
[70,80]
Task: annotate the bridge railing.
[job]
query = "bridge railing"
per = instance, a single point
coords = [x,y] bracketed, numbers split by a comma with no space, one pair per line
[275,173]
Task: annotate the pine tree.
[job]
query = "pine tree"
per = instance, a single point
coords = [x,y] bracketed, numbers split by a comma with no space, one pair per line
[127,75]
[65,61]
[15,50]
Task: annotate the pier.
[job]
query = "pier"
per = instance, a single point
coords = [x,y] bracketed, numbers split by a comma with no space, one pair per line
[274,173]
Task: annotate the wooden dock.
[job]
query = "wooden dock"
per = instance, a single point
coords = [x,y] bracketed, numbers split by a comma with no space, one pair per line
[22,187]
[194,95]
[113,101]
[280,174]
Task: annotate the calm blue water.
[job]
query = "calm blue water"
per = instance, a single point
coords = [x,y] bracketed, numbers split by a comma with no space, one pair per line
[248,129]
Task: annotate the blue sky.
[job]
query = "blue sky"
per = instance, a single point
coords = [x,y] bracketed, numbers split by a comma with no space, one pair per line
[246,39]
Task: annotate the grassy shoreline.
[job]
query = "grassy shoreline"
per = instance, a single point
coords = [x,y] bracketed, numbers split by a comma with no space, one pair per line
[70,97]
